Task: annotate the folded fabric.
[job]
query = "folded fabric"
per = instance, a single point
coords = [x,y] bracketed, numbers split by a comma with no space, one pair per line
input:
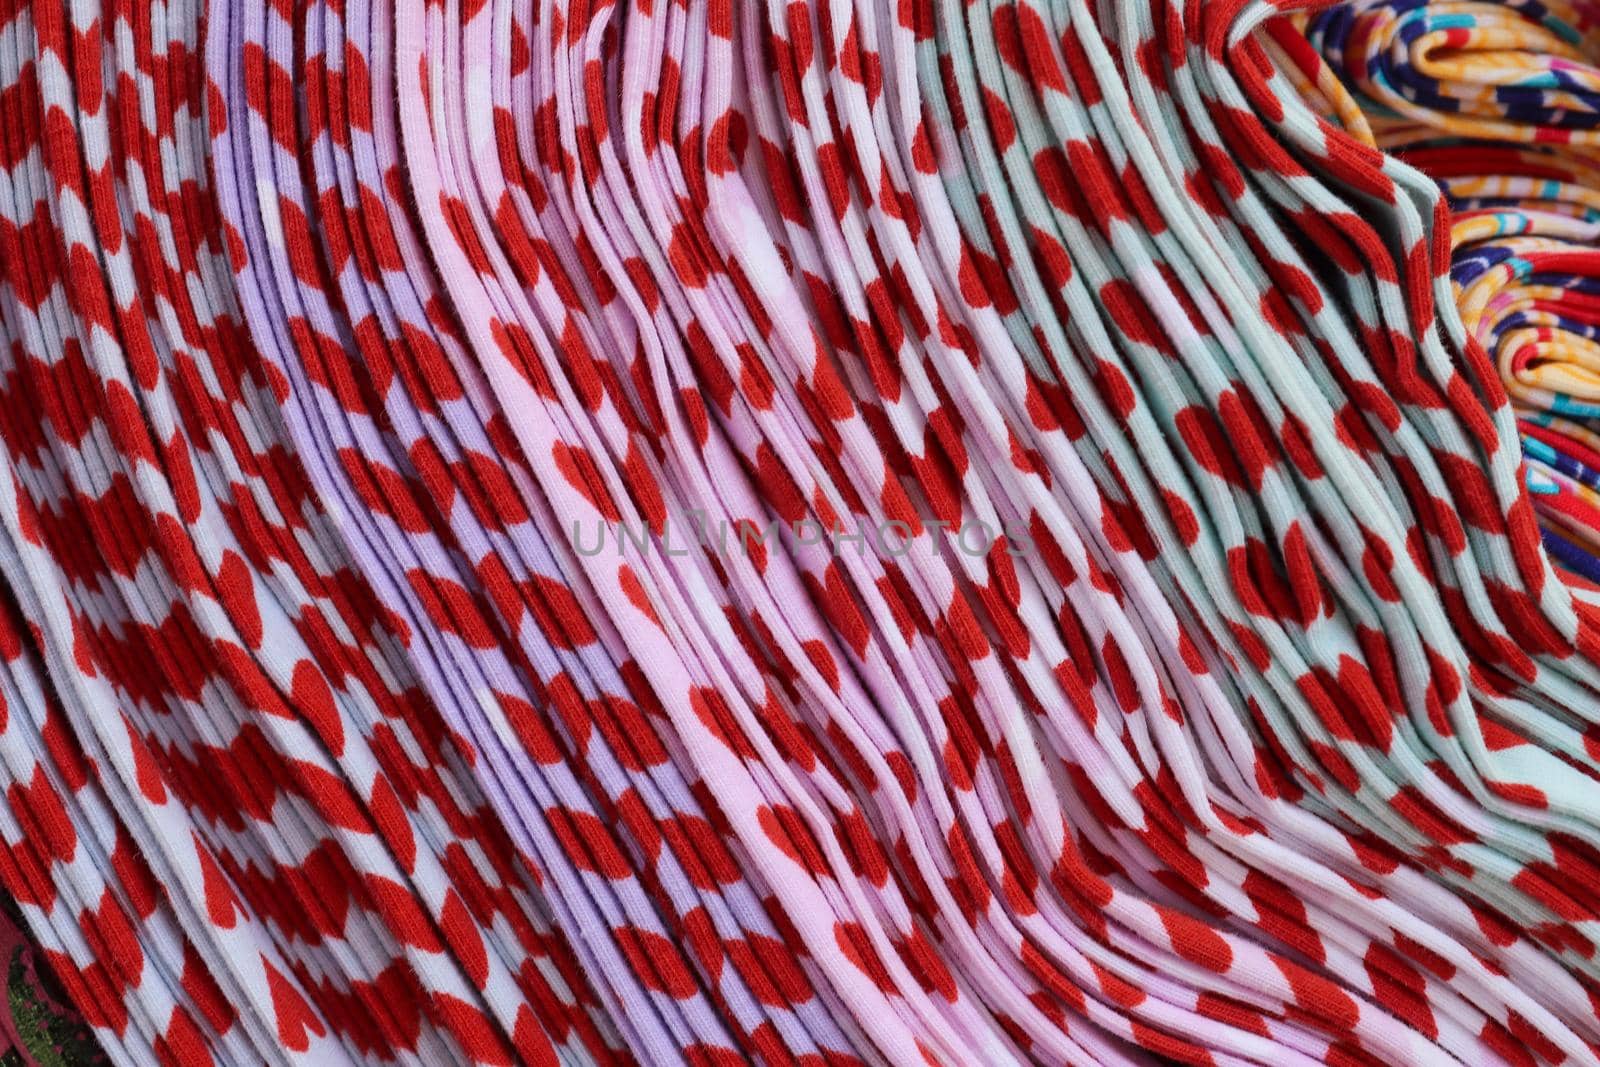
[703,533]
[1496,103]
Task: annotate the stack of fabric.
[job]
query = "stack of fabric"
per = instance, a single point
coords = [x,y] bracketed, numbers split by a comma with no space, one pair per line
[1498,103]
[709,532]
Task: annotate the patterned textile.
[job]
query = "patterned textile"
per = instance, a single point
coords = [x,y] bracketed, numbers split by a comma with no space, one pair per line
[1498,103]
[840,532]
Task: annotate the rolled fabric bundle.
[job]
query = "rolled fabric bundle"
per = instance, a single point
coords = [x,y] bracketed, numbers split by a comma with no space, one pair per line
[711,533]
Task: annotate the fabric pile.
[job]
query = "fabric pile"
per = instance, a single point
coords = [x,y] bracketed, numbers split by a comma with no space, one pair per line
[1498,104]
[708,533]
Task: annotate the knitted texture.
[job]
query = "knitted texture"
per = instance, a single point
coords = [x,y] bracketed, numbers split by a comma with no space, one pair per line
[705,532]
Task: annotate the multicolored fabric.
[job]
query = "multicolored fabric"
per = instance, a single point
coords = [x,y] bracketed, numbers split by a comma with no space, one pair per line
[706,532]
[1496,103]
